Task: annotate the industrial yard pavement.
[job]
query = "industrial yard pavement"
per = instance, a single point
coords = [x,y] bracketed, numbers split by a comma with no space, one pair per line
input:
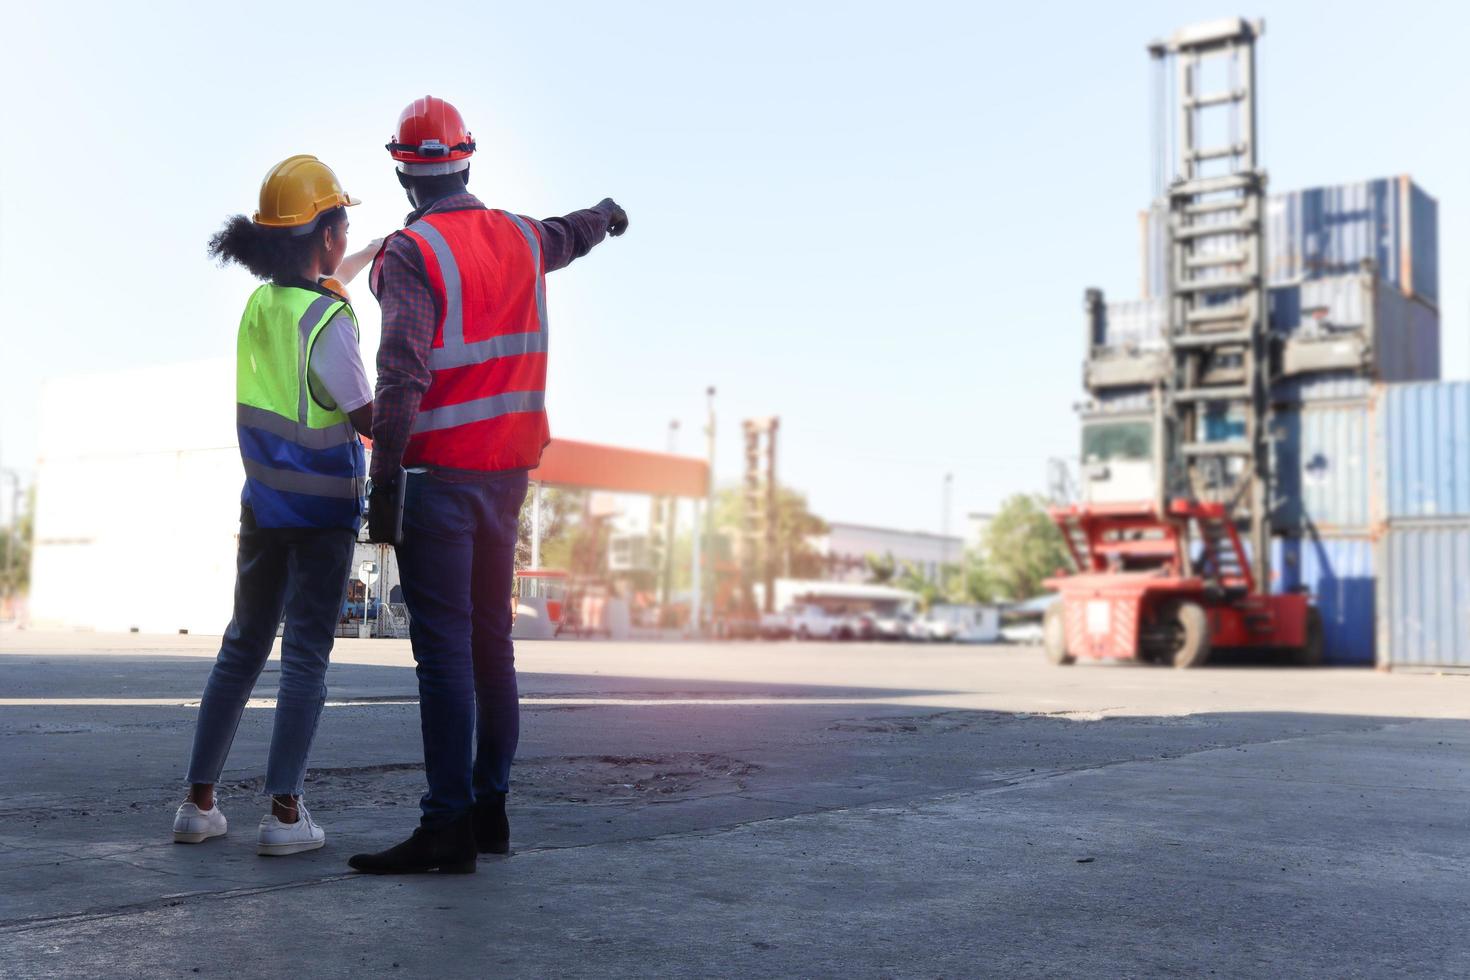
[773,809]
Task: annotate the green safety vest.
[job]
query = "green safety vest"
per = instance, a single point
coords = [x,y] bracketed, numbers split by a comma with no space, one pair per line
[304,463]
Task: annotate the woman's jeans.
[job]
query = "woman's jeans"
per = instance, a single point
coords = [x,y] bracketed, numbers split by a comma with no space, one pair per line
[301,573]
[457,561]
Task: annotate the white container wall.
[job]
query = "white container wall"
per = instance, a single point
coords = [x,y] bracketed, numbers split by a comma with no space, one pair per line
[1323,473]
[137,501]
[1424,431]
[1424,596]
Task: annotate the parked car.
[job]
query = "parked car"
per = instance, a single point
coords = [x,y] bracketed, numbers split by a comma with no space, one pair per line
[1021,633]
[811,622]
[858,626]
[934,629]
[963,622]
[893,626]
[773,626]
[805,621]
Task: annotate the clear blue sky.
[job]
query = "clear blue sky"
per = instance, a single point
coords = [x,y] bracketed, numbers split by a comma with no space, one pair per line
[874,221]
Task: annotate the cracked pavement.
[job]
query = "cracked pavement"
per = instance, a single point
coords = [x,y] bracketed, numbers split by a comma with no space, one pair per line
[782,809]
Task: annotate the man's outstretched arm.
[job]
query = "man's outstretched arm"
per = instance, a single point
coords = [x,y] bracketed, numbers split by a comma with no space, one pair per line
[574,235]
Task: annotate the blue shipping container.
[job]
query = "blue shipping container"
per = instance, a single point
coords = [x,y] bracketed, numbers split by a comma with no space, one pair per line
[1369,328]
[1424,434]
[1424,601]
[1323,473]
[1330,231]
[1338,572]
[1329,386]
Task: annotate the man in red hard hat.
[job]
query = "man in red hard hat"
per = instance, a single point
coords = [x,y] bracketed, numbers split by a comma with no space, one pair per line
[459,420]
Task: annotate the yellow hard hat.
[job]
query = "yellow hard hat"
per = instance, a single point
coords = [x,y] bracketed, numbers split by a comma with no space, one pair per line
[297,190]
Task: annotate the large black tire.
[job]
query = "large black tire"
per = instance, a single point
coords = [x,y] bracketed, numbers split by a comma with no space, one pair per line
[1310,654]
[1054,635]
[1194,636]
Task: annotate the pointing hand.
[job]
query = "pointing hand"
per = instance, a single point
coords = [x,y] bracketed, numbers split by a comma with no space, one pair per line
[617,219]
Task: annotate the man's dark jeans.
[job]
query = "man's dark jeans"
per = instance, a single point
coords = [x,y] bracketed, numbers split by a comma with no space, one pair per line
[457,562]
[299,573]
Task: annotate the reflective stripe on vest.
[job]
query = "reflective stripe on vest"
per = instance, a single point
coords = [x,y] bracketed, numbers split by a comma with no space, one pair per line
[485,406]
[297,432]
[455,352]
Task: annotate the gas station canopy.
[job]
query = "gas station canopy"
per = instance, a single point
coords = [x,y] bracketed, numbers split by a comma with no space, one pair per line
[589,466]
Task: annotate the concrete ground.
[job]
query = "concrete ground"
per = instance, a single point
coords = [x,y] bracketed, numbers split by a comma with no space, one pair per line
[773,809]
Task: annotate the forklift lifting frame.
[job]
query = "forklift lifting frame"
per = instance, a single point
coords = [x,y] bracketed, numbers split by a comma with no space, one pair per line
[1169,579]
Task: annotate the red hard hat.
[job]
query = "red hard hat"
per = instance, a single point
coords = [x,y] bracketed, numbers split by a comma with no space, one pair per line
[431,139]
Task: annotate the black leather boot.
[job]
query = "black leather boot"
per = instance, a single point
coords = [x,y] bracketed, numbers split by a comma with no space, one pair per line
[492,826]
[449,849]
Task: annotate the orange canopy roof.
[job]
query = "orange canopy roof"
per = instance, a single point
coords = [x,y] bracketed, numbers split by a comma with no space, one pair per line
[587,465]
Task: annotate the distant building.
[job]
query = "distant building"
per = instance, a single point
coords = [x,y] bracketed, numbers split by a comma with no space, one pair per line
[846,547]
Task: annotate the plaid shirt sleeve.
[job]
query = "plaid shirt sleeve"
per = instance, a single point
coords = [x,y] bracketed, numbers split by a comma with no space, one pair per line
[570,236]
[409,319]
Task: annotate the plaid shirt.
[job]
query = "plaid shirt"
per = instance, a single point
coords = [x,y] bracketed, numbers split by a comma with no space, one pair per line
[411,319]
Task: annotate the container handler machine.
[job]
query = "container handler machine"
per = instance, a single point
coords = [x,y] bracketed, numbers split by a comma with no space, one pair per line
[1168,579]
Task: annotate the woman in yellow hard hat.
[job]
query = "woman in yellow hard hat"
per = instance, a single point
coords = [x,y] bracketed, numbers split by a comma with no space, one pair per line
[302,398]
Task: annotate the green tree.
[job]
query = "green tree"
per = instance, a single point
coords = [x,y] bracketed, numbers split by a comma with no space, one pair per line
[16,540]
[1023,547]
[911,580]
[976,580]
[881,568]
[795,527]
[562,514]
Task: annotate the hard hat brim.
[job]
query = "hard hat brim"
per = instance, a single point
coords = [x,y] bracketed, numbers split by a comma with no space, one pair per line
[342,201]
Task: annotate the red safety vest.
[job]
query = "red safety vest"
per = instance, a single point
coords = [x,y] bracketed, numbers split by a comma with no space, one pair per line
[485,407]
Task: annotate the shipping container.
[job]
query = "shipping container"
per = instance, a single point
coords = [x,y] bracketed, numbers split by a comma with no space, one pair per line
[1330,231]
[1424,434]
[1134,324]
[1330,386]
[1350,324]
[1355,323]
[1323,467]
[1338,573]
[1424,595]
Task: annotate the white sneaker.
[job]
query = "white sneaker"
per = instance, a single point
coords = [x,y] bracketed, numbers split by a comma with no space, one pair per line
[192,825]
[290,838]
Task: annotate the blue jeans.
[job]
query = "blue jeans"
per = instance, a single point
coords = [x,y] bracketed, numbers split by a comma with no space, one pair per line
[301,573]
[457,563]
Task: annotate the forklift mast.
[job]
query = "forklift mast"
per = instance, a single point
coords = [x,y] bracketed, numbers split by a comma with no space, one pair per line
[1214,399]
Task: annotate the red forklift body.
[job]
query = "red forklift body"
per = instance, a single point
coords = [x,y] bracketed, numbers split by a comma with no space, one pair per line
[1139,569]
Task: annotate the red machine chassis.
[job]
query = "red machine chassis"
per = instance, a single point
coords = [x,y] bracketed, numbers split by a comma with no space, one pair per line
[1125,600]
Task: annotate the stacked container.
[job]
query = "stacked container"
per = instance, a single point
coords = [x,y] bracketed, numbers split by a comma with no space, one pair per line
[1322,232]
[1370,513]
[1422,434]
[1322,509]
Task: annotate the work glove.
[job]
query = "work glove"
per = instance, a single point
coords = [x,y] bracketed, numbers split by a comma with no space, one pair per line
[385,509]
[617,218]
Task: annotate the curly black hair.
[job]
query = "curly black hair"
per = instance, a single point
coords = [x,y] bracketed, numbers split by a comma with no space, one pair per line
[269,253]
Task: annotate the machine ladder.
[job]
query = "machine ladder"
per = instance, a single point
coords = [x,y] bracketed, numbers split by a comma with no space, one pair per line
[1216,395]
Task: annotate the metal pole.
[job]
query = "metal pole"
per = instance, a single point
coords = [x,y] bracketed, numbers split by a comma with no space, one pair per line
[536,526]
[773,512]
[709,505]
[696,568]
[944,525]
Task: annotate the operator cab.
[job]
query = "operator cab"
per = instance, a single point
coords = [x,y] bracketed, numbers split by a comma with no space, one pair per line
[1118,460]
